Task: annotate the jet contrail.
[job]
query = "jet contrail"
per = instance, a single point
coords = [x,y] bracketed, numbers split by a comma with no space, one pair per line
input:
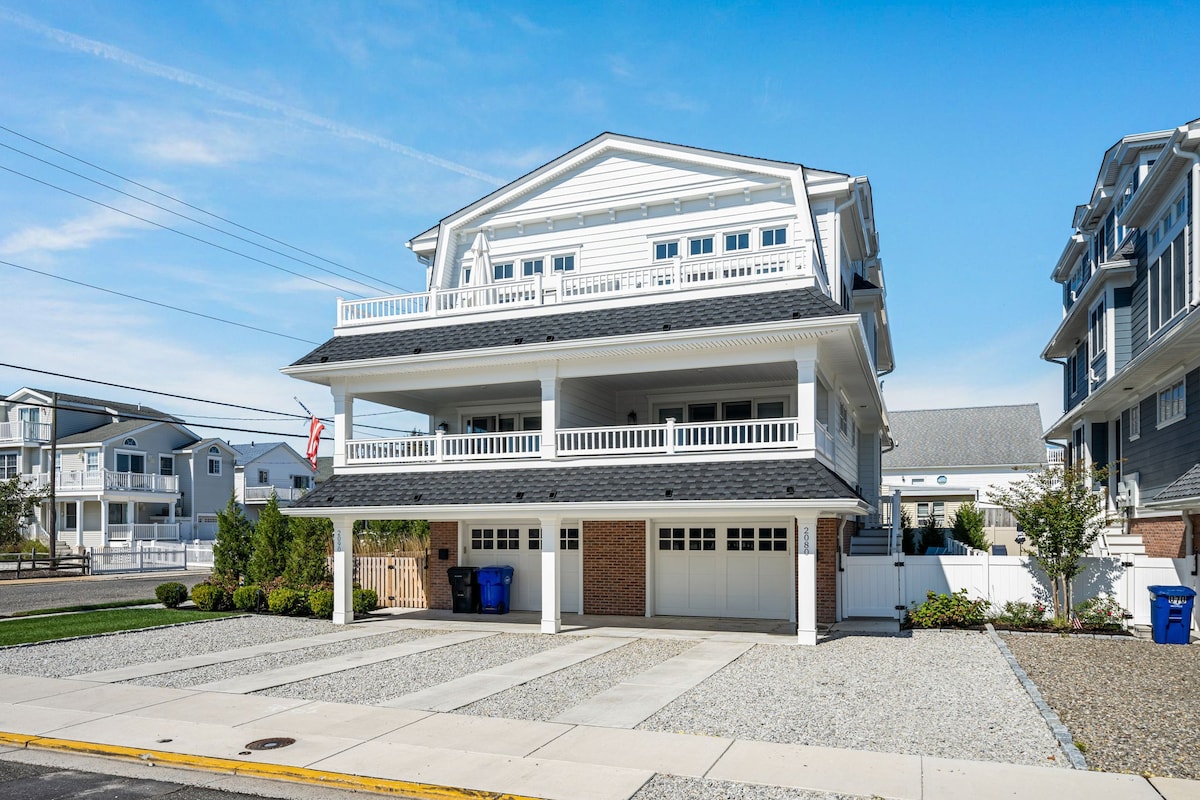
[111,53]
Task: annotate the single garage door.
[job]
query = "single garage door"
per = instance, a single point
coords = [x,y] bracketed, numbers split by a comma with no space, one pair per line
[521,549]
[724,571]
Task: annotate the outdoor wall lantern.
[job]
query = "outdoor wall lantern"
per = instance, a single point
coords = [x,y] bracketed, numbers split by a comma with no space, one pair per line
[632,418]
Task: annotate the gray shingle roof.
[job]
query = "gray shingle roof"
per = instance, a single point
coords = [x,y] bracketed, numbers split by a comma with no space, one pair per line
[1185,487]
[104,432]
[121,409]
[248,452]
[953,437]
[733,480]
[577,325]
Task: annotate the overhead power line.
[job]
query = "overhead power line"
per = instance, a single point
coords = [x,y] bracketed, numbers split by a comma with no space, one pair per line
[180,233]
[193,219]
[156,303]
[194,207]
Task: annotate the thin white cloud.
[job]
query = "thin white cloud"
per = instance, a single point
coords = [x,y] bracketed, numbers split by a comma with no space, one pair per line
[187,151]
[74,234]
[124,57]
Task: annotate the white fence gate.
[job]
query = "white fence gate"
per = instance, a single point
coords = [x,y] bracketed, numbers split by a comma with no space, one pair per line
[872,586]
[148,558]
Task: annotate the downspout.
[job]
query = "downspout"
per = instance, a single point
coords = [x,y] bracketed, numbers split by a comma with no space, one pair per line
[1195,221]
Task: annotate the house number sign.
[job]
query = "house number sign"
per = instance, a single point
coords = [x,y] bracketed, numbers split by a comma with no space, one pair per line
[806,540]
[337,540]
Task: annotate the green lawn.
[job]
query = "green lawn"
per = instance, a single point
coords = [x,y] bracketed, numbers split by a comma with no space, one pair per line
[40,629]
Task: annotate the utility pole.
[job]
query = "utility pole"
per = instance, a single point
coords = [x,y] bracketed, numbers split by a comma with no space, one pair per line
[53,478]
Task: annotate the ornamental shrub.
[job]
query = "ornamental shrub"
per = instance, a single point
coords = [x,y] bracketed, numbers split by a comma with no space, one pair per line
[171,595]
[365,601]
[211,597]
[948,611]
[1020,614]
[288,601]
[249,598]
[320,601]
[1100,612]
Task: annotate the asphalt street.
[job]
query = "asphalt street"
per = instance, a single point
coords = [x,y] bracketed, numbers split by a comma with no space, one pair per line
[35,782]
[56,593]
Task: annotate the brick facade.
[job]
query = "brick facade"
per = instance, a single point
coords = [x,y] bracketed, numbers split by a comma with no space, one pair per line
[827,545]
[614,567]
[1163,536]
[441,535]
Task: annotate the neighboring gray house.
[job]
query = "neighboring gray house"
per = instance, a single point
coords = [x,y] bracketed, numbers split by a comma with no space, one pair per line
[124,472]
[944,457]
[269,468]
[1129,340]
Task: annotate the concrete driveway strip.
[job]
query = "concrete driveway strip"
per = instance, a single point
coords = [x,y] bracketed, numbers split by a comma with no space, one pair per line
[135,671]
[476,686]
[667,753]
[948,779]
[825,769]
[628,704]
[255,682]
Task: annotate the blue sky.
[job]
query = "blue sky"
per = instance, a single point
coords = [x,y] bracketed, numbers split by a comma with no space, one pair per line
[346,128]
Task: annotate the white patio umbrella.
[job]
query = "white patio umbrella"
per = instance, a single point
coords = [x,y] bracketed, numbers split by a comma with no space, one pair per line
[480,260]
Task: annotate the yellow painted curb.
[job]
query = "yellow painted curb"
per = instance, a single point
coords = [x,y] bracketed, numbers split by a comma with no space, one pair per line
[315,777]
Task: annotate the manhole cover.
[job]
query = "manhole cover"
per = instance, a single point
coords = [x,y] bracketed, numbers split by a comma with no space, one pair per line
[270,744]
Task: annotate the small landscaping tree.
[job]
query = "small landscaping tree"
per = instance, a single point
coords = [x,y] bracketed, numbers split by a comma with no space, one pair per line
[931,535]
[231,551]
[1062,516]
[18,500]
[269,544]
[308,553]
[967,527]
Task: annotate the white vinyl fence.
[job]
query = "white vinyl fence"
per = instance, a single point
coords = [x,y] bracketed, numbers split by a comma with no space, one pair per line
[150,558]
[872,586]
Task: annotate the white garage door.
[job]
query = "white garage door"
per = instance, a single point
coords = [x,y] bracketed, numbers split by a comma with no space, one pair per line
[521,549]
[724,571]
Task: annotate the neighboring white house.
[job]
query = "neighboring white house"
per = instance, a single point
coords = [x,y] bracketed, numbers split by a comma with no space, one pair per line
[263,469]
[651,376]
[944,457]
[125,472]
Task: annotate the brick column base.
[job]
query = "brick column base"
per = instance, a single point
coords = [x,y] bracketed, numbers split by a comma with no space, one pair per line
[441,535]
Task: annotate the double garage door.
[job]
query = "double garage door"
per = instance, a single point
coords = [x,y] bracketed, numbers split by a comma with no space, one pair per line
[724,571]
[521,549]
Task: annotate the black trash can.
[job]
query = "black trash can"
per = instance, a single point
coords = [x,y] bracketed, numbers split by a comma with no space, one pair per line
[464,589]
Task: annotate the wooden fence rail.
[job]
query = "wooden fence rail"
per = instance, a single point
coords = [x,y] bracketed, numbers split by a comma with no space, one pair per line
[400,581]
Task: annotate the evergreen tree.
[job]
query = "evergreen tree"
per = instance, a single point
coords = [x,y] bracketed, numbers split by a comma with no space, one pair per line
[269,544]
[231,551]
[968,525]
[18,500]
[308,555]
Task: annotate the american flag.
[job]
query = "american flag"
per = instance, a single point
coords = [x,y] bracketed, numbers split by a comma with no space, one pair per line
[315,428]
[1076,622]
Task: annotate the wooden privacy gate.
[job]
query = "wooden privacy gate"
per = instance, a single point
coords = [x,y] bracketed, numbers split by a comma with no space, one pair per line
[400,581]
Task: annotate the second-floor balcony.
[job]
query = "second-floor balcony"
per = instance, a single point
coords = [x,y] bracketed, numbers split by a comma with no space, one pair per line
[574,287]
[668,439]
[105,480]
[24,432]
[262,494]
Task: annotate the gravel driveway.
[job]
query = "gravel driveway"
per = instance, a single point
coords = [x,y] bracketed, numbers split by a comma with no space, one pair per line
[1133,704]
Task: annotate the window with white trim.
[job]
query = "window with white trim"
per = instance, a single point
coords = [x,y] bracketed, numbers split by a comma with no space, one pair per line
[564,263]
[1096,336]
[1167,278]
[8,465]
[535,539]
[264,477]
[166,465]
[568,539]
[70,516]
[91,461]
[532,266]
[495,538]
[672,539]
[843,419]
[214,465]
[700,246]
[1135,421]
[665,250]
[131,462]
[502,272]
[301,482]
[773,237]
[1172,403]
[737,241]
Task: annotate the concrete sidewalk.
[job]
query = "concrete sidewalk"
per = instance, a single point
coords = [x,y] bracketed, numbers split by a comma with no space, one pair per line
[427,754]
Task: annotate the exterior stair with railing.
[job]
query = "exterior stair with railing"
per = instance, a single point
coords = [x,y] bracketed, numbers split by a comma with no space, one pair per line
[1114,541]
[872,541]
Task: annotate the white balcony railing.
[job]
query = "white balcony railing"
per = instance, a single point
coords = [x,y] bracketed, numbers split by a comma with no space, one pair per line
[284,494]
[824,442]
[21,431]
[145,532]
[666,439]
[104,480]
[576,287]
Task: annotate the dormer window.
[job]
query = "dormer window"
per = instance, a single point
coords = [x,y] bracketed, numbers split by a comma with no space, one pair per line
[214,450]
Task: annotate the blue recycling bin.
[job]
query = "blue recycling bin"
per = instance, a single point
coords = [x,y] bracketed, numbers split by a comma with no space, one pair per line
[1171,614]
[495,587]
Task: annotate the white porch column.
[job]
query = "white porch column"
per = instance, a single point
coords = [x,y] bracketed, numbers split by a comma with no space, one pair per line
[343,422]
[806,397]
[551,576]
[79,524]
[550,385]
[806,579]
[103,523]
[343,570]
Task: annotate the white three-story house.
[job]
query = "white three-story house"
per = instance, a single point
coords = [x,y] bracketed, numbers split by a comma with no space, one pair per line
[650,374]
